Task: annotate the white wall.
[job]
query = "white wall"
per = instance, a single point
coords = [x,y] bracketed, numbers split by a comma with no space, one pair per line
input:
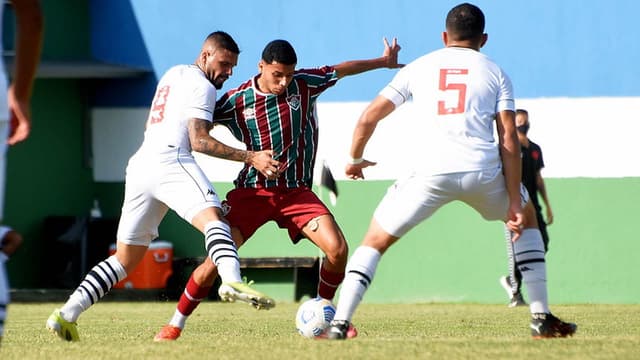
[583,137]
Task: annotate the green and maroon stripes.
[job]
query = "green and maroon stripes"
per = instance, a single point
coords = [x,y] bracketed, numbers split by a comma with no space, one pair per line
[283,123]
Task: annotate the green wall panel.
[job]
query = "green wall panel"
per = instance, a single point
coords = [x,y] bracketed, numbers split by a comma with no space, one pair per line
[48,174]
[455,256]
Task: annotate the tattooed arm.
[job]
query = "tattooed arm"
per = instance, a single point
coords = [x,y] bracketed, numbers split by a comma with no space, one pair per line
[203,142]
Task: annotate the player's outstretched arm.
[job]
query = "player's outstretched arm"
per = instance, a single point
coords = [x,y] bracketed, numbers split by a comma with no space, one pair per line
[377,110]
[389,59]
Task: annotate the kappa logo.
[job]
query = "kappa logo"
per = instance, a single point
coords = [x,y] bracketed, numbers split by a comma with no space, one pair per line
[211,192]
[249,113]
[294,101]
[524,268]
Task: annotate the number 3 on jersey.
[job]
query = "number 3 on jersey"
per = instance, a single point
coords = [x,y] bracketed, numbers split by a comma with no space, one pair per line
[452,87]
[156,114]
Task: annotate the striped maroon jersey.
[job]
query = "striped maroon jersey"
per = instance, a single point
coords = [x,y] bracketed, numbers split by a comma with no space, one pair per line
[285,123]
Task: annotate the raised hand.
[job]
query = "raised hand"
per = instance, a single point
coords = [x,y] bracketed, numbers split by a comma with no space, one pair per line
[391,53]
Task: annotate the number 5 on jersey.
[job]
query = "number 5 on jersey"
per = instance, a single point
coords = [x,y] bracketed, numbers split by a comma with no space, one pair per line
[454,91]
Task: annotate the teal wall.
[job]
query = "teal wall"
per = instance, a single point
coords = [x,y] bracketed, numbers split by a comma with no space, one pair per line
[49,173]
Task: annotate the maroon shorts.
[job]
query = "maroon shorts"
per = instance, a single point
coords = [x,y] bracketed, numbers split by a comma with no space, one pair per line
[291,209]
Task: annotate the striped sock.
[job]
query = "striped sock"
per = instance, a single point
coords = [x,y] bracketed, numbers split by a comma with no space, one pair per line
[96,284]
[189,300]
[529,255]
[222,251]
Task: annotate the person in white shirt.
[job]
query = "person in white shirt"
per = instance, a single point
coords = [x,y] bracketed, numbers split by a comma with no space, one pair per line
[163,175]
[460,95]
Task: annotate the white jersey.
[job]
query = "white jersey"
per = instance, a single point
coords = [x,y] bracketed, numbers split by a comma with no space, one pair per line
[457,93]
[182,93]
[163,174]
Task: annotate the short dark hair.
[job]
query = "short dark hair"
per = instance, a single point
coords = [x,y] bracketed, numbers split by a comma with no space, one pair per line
[279,51]
[522,111]
[223,40]
[465,22]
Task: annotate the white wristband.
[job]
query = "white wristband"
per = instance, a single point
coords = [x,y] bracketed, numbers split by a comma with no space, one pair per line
[356,161]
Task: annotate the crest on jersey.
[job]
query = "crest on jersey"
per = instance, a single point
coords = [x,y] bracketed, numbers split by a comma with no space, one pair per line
[249,113]
[225,207]
[294,101]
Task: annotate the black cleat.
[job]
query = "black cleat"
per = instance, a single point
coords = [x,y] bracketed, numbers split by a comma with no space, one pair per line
[548,326]
[341,330]
[517,300]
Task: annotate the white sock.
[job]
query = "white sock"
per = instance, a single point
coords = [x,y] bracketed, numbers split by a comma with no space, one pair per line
[359,274]
[178,320]
[96,284]
[529,254]
[222,251]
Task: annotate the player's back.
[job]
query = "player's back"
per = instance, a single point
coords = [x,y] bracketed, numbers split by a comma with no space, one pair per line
[182,93]
[458,92]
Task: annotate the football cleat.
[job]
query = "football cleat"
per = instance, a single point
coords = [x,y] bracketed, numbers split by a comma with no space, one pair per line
[517,300]
[548,326]
[505,282]
[168,333]
[240,291]
[61,327]
[340,330]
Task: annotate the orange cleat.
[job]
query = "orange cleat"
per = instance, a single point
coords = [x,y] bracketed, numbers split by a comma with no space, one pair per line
[168,333]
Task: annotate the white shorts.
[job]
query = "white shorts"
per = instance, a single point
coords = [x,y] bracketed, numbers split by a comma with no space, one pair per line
[155,183]
[414,199]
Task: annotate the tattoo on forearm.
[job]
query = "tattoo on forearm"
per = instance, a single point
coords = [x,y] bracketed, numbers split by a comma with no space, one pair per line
[208,145]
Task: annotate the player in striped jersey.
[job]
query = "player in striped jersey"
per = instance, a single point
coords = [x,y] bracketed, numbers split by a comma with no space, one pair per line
[275,110]
[461,95]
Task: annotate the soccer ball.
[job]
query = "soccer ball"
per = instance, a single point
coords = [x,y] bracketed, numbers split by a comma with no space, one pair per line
[314,316]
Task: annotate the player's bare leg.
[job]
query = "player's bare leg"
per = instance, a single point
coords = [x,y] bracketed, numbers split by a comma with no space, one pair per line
[197,289]
[324,232]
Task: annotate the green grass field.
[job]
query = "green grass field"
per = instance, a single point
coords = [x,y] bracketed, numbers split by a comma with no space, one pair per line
[124,330]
